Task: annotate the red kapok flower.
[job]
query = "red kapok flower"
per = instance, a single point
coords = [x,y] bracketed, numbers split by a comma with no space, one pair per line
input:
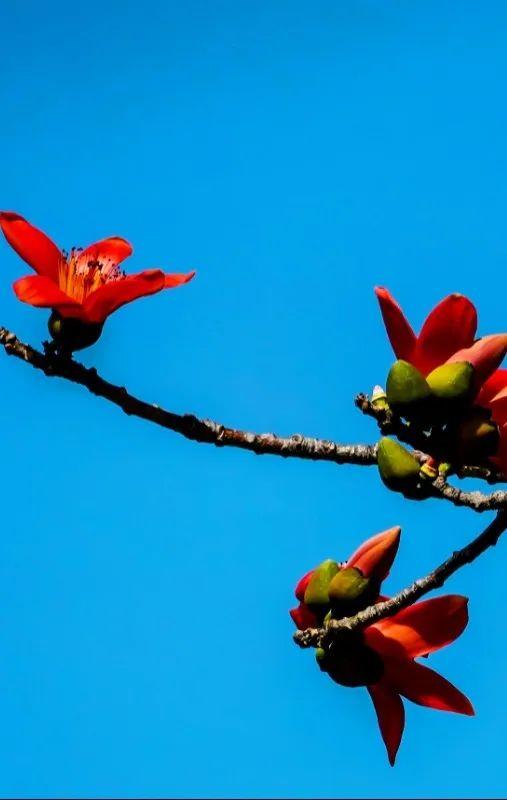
[493,396]
[415,631]
[447,336]
[85,285]
[373,559]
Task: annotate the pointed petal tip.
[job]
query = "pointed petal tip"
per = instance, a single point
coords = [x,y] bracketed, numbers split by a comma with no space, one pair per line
[376,555]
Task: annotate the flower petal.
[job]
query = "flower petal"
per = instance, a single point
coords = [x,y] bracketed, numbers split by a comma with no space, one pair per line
[42,292]
[401,335]
[303,617]
[485,356]
[113,250]
[177,279]
[449,327]
[421,628]
[390,715]
[31,244]
[375,556]
[111,296]
[491,388]
[302,584]
[425,687]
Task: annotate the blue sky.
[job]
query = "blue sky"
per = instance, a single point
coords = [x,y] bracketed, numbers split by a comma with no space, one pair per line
[295,154]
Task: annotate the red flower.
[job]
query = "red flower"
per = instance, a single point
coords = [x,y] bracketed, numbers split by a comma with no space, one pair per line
[373,559]
[86,285]
[493,396]
[415,631]
[447,335]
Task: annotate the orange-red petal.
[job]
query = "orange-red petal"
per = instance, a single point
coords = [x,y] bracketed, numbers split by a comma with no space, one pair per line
[303,618]
[496,383]
[390,715]
[421,628]
[113,250]
[31,244]
[485,355]
[375,556]
[425,687]
[42,292]
[177,279]
[302,584]
[449,327]
[401,335]
[111,296]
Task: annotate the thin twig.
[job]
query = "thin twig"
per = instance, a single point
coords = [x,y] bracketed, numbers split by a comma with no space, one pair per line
[315,637]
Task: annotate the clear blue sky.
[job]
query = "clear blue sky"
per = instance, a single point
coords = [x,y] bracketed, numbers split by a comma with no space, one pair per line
[295,154]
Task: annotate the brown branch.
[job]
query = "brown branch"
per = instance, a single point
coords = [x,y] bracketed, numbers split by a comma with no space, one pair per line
[315,637]
[199,430]
[210,432]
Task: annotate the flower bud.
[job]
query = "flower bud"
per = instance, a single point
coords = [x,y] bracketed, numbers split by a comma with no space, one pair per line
[350,592]
[452,383]
[398,468]
[71,334]
[316,593]
[406,389]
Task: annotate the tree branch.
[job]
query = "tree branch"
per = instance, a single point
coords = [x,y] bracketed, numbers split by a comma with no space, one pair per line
[316,637]
[210,432]
[199,430]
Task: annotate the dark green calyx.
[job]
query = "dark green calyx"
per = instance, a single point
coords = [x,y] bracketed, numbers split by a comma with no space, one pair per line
[316,594]
[350,592]
[406,390]
[353,663]
[69,333]
[452,382]
[398,468]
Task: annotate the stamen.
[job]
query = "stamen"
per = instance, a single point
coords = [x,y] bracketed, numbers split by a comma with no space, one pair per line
[79,277]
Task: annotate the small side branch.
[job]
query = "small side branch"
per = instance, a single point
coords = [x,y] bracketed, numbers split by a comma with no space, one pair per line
[315,637]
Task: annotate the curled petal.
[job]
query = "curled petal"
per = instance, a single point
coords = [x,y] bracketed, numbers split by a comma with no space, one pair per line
[425,687]
[390,715]
[449,327]
[111,296]
[113,250]
[31,244]
[177,279]
[375,556]
[485,356]
[421,628]
[400,333]
[42,292]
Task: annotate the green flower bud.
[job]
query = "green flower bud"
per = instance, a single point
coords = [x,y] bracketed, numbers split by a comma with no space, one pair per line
[406,390]
[320,657]
[398,468]
[71,334]
[350,592]
[452,382]
[316,593]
